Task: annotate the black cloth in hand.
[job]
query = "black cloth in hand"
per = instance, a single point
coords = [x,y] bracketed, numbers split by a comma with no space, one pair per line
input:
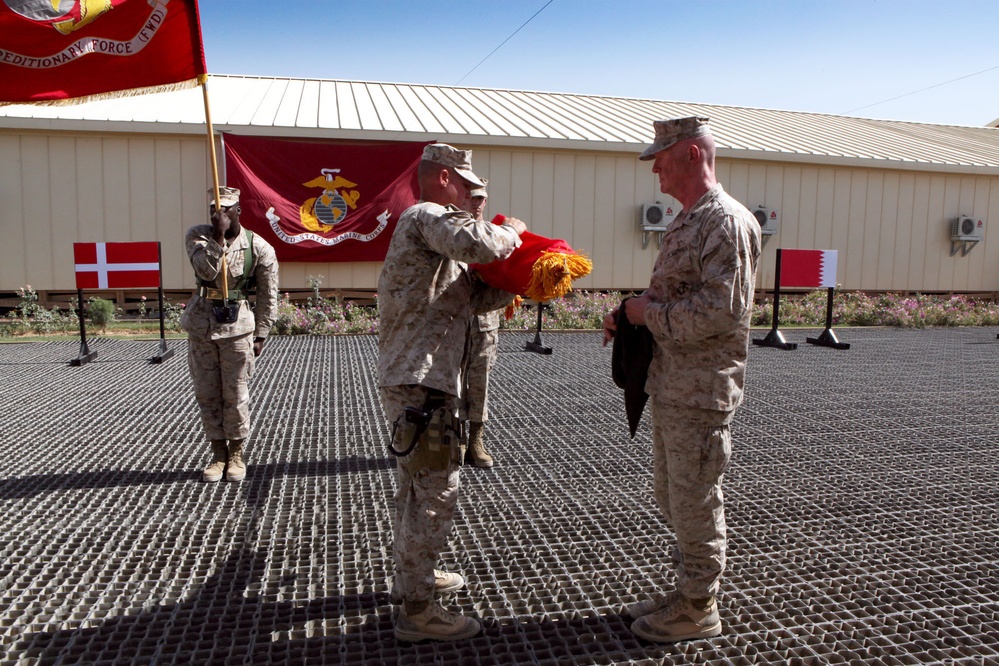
[630,359]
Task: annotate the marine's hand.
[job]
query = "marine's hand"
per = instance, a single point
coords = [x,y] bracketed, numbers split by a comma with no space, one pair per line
[610,325]
[220,225]
[517,225]
[258,346]
[635,309]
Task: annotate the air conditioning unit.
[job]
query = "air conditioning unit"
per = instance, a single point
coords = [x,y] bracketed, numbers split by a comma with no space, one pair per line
[656,217]
[965,228]
[768,219]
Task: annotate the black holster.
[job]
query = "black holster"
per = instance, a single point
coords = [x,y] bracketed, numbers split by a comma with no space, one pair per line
[227,313]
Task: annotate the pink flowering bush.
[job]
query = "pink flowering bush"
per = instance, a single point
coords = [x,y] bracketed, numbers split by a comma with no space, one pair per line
[324,316]
[578,310]
[583,310]
[574,311]
[886,309]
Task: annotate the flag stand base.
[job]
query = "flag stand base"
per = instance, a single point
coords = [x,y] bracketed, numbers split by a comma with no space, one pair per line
[775,339]
[163,354]
[85,356]
[828,339]
[537,346]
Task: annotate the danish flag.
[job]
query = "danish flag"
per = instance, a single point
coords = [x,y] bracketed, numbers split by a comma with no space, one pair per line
[117,265]
[807,268]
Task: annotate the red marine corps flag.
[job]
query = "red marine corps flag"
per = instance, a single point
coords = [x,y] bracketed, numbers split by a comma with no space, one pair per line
[323,201]
[52,51]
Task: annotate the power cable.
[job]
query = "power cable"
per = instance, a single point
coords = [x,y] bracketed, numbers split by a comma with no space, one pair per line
[504,42]
[914,92]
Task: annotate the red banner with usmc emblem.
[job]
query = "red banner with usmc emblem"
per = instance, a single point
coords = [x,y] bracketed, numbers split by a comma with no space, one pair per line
[323,201]
[54,50]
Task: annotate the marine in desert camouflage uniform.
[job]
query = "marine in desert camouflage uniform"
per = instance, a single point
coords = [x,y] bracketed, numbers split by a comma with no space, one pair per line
[221,355]
[698,308]
[425,297]
[480,357]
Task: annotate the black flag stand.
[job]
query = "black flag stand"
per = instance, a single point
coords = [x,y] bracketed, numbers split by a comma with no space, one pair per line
[164,353]
[537,346]
[775,338]
[85,355]
[827,338]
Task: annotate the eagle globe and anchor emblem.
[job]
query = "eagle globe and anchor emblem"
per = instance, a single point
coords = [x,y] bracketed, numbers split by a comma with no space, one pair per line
[66,16]
[320,214]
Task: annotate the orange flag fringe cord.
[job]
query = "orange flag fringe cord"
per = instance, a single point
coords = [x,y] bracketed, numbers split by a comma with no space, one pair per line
[540,269]
[553,273]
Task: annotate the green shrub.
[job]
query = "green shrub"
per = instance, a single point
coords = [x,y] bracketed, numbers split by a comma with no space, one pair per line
[101,312]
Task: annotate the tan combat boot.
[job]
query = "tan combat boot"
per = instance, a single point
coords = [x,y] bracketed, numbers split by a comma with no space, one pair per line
[477,454]
[220,453]
[236,470]
[680,619]
[433,622]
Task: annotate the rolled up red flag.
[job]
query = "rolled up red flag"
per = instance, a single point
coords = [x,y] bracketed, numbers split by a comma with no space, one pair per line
[540,269]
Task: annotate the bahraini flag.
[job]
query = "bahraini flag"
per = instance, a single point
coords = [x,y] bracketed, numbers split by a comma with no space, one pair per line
[60,51]
[807,268]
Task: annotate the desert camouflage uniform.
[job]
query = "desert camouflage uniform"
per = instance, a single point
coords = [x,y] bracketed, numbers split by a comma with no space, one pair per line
[425,299]
[702,292]
[220,356]
[483,340]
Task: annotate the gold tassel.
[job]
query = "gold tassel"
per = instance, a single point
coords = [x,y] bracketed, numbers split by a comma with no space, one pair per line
[511,309]
[553,273]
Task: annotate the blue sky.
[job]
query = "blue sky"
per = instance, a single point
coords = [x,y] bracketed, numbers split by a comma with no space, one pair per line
[841,57]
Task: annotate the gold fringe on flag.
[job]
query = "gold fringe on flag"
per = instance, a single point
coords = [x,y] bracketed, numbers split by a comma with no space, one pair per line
[114,94]
[553,273]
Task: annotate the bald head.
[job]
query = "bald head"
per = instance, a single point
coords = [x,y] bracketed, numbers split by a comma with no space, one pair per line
[706,144]
[686,169]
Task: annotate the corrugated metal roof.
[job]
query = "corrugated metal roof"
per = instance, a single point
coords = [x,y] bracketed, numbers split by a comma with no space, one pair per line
[514,118]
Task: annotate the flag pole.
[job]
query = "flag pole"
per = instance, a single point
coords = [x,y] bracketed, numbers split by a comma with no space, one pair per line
[203,79]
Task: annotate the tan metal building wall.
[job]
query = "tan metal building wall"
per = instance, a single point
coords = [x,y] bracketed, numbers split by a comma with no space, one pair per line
[74,187]
[891,227]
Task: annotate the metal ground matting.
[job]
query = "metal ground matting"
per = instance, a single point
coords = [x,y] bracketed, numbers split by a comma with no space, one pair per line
[861,502]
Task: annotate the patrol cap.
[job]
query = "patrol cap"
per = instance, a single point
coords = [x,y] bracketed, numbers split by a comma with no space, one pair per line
[228,196]
[673,130]
[480,191]
[451,157]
